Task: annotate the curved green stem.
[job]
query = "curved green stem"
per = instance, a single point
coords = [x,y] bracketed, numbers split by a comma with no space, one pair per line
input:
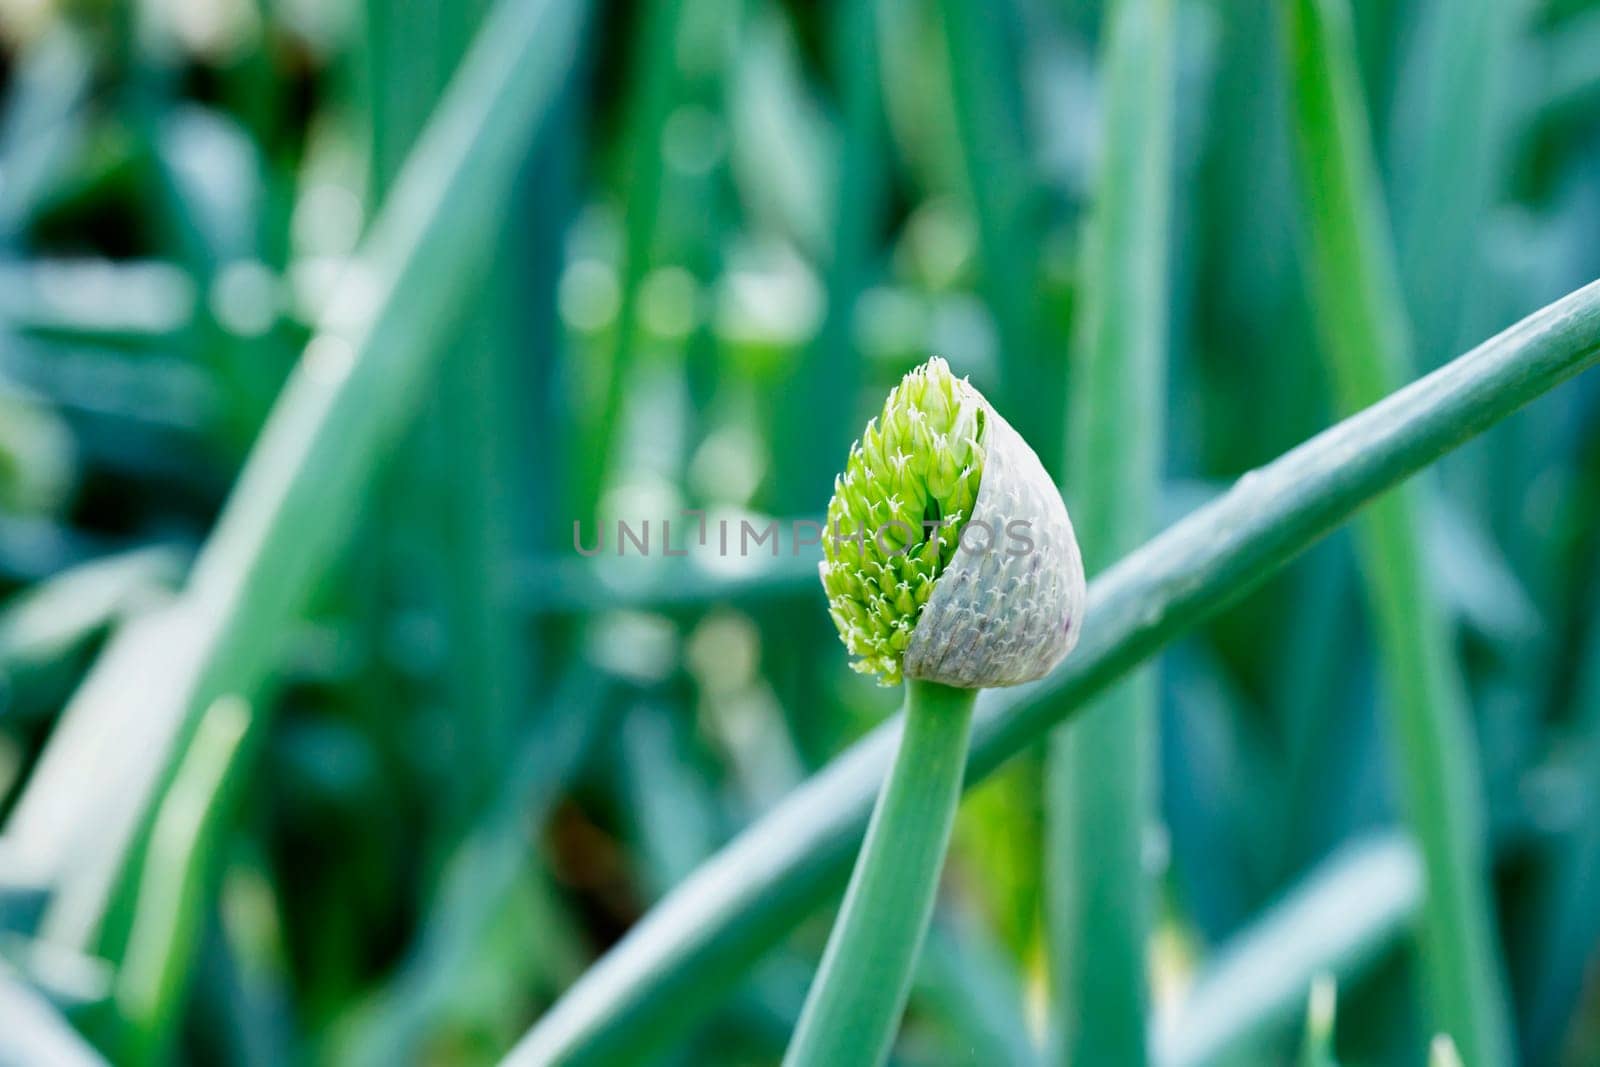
[855,1002]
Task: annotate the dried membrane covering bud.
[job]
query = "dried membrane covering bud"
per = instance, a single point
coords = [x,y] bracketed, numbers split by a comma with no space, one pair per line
[949,556]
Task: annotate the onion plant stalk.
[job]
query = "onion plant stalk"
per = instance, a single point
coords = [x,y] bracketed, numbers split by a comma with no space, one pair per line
[1100,773]
[950,565]
[1366,342]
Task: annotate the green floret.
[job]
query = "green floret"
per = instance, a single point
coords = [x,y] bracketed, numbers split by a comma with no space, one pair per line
[895,519]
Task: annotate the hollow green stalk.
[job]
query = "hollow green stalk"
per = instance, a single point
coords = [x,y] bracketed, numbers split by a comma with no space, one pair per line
[1099,774]
[1447,156]
[855,1003]
[657,81]
[1004,203]
[157,965]
[1320,1008]
[913,598]
[1366,341]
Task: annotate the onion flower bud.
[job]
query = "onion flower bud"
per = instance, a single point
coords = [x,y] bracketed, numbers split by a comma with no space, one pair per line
[949,556]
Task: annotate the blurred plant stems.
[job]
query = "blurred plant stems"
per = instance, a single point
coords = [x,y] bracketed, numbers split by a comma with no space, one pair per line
[171,903]
[1448,146]
[656,58]
[357,386]
[1100,777]
[1340,917]
[35,1032]
[463,473]
[456,762]
[818,419]
[680,958]
[1321,1007]
[480,879]
[1356,299]
[1564,919]
[985,72]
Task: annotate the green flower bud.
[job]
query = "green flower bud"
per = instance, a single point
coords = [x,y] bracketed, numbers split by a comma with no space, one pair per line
[948,555]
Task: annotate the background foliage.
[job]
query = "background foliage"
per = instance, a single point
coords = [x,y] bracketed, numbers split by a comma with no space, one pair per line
[376,764]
